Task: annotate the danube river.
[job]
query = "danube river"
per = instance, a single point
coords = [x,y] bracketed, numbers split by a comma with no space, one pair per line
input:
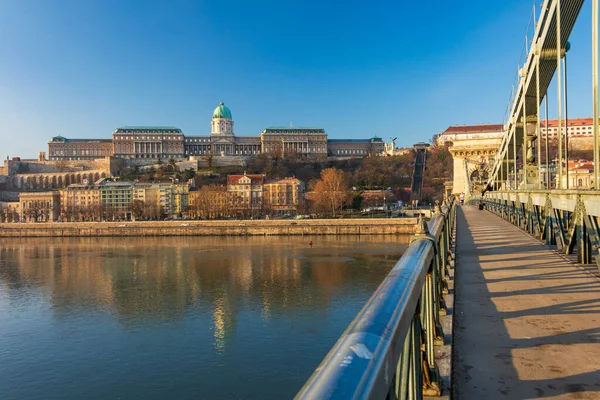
[178,318]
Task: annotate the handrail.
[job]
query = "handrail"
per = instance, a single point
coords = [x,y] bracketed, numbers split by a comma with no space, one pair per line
[381,351]
[567,218]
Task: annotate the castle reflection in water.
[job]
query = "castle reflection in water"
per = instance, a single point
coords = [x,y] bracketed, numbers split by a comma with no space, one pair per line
[158,280]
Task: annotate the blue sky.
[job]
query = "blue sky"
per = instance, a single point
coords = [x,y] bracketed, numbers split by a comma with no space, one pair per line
[356,68]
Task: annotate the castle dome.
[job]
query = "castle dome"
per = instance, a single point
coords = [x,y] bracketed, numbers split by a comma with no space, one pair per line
[222,111]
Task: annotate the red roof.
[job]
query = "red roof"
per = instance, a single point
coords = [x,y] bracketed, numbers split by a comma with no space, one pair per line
[474,128]
[553,123]
[584,165]
[255,179]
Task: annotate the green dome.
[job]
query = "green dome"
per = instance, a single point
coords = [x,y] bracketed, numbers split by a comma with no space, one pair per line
[222,111]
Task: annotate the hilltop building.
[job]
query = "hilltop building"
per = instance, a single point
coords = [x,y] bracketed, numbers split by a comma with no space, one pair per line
[145,144]
[150,142]
[60,148]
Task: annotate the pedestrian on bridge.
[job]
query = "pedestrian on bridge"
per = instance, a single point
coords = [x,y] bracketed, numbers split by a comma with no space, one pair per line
[462,199]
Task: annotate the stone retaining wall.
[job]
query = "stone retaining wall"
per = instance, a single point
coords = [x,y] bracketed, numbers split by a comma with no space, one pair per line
[48,167]
[214,228]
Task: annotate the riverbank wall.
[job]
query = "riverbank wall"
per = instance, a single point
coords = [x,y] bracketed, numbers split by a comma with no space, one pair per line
[393,226]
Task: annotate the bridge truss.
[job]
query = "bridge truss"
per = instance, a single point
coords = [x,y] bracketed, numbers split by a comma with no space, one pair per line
[520,188]
[520,154]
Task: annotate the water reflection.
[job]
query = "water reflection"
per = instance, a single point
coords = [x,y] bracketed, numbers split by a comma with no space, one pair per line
[272,286]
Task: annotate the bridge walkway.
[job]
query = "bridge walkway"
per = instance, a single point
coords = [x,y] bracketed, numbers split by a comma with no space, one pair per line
[527,321]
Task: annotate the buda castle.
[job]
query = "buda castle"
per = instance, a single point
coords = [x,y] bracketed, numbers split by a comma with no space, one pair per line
[147,144]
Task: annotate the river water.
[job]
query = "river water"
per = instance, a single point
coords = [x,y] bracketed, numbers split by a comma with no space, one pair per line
[178,318]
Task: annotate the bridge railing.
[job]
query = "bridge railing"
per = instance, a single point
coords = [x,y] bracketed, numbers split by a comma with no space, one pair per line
[388,350]
[568,219]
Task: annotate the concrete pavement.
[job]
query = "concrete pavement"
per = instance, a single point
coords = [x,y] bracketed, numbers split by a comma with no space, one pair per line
[527,322]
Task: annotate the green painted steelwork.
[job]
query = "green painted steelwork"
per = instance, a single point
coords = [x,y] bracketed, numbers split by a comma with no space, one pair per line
[567,219]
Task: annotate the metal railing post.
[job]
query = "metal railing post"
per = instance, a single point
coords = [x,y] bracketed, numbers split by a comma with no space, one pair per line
[407,337]
[559,183]
[537,124]
[595,88]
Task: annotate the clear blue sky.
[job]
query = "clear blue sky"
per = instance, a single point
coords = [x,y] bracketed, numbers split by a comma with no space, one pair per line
[81,68]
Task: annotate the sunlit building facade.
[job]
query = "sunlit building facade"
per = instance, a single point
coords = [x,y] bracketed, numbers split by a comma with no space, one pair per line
[283,196]
[245,194]
[154,143]
[39,206]
[80,202]
[208,202]
[61,148]
[116,199]
[297,140]
[150,142]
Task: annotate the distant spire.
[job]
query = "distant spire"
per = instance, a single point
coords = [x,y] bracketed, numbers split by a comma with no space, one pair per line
[291,125]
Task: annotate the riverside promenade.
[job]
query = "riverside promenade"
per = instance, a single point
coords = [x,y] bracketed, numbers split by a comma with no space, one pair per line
[527,321]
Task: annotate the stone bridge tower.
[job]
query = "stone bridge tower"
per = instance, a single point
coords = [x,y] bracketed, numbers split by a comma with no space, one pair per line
[473,149]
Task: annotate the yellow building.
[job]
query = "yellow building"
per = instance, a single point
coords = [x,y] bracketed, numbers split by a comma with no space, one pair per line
[283,196]
[10,211]
[179,198]
[581,175]
[245,194]
[39,206]
[154,198]
[80,203]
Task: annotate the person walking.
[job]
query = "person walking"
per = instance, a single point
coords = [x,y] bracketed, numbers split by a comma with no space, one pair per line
[462,199]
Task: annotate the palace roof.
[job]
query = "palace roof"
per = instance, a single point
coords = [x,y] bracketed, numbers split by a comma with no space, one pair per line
[349,140]
[65,140]
[148,129]
[293,129]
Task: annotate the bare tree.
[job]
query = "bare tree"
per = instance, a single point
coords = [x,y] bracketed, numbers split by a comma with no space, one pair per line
[152,210]
[137,209]
[331,191]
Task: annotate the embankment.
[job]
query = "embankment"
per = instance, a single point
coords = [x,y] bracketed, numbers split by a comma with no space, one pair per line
[214,228]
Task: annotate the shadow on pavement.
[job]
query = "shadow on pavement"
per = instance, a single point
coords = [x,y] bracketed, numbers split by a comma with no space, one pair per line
[526,321]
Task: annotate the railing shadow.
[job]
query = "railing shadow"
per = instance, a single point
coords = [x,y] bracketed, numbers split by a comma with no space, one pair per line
[538,338]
